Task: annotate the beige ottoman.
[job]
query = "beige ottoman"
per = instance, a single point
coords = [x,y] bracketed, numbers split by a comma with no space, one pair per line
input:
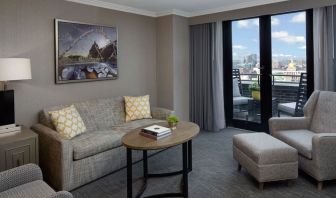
[265,158]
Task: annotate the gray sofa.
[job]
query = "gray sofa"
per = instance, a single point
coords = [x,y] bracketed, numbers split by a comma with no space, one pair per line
[68,164]
[26,181]
[314,135]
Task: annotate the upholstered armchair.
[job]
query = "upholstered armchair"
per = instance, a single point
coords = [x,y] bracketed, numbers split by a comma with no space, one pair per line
[26,181]
[314,136]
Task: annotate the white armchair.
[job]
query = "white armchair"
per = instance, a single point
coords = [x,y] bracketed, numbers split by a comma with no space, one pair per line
[314,136]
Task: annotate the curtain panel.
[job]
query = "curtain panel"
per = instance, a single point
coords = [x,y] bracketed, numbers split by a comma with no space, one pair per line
[324,48]
[206,76]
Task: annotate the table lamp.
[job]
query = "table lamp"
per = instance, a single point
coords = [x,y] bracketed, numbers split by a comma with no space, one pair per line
[11,69]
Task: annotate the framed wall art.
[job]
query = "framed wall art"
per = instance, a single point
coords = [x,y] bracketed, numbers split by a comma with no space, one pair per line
[85,52]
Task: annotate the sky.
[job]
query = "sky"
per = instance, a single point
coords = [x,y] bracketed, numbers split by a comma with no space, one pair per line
[288,36]
[69,33]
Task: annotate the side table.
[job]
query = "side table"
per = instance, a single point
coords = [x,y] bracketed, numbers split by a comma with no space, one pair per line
[18,149]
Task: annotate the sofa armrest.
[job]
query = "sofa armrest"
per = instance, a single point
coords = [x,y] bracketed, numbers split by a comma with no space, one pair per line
[324,150]
[160,113]
[287,123]
[61,194]
[19,176]
[56,157]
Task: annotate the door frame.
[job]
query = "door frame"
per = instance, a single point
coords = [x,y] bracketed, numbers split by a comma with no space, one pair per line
[265,32]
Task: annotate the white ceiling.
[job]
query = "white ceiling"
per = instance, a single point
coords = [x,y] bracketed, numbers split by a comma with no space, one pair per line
[187,8]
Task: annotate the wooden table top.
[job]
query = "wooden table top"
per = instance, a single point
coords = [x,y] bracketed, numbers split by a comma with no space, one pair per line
[184,132]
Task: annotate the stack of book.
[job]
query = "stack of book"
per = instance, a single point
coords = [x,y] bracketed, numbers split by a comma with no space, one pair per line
[155,132]
[9,130]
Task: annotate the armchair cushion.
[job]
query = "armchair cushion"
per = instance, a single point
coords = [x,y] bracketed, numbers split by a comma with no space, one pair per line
[324,119]
[18,176]
[284,123]
[35,189]
[301,139]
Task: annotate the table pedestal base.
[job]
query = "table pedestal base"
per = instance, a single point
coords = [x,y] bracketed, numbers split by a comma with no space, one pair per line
[187,167]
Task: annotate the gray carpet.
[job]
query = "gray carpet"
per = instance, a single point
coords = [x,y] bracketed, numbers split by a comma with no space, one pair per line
[214,175]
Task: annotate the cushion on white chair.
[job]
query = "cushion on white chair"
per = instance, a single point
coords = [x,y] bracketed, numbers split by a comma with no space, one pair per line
[287,107]
[240,100]
[235,88]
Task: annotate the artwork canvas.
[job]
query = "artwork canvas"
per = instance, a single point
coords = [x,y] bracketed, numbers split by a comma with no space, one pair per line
[85,52]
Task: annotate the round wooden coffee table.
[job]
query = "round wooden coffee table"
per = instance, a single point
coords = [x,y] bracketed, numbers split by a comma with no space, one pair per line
[183,134]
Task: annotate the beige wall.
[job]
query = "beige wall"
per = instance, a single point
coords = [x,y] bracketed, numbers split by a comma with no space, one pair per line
[165,62]
[27,30]
[173,64]
[275,8]
[181,66]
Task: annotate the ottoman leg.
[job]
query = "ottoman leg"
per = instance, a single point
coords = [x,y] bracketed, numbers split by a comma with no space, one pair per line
[239,167]
[261,186]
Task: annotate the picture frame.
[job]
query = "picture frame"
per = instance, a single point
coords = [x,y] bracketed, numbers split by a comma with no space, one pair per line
[85,52]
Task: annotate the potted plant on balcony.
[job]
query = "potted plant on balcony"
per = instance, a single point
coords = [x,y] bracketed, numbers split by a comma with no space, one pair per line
[173,121]
[255,91]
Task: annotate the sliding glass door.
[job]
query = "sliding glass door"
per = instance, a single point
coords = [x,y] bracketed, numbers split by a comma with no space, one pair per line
[266,68]
[246,70]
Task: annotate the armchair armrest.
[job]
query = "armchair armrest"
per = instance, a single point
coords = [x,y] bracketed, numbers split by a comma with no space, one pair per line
[61,194]
[290,123]
[324,149]
[160,113]
[56,157]
[19,176]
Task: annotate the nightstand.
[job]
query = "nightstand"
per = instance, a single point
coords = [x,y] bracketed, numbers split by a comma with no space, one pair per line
[18,149]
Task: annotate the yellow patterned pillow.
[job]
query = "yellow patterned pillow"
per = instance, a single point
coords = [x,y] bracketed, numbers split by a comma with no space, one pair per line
[137,108]
[67,122]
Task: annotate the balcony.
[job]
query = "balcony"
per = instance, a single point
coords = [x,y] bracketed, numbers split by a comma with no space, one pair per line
[284,90]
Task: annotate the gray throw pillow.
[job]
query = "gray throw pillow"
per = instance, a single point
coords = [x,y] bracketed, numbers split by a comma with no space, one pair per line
[235,88]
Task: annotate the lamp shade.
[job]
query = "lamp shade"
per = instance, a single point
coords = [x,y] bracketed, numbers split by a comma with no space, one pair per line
[15,69]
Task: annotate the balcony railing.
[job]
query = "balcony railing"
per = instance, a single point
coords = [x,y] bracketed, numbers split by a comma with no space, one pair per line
[294,79]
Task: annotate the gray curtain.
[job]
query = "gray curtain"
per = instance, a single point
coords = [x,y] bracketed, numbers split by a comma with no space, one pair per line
[206,76]
[324,48]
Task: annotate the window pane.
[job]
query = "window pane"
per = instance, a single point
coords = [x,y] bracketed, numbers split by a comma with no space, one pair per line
[289,62]
[246,63]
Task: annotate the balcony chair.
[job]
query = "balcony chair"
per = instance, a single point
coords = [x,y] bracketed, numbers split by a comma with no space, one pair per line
[313,135]
[237,90]
[26,181]
[295,109]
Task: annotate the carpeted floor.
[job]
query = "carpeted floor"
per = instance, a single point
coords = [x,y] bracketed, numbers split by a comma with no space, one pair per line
[214,175]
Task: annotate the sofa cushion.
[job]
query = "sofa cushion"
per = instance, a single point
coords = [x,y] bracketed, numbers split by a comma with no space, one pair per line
[91,143]
[128,126]
[300,139]
[324,119]
[35,189]
[99,114]
[94,142]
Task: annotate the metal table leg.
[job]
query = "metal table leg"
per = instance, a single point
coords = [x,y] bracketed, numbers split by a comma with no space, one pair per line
[129,173]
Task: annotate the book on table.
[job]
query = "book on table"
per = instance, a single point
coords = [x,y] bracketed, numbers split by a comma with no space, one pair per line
[155,132]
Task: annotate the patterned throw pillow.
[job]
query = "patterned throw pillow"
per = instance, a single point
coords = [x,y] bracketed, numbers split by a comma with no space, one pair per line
[67,122]
[137,108]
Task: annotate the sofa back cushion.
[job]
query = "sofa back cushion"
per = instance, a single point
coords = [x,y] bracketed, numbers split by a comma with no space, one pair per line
[324,118]
[99,114]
